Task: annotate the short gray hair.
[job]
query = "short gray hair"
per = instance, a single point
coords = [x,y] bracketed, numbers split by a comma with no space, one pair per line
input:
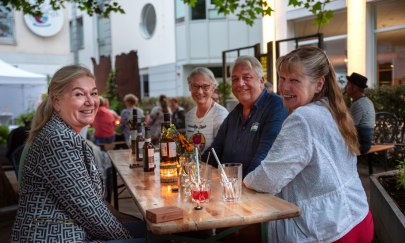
[205,72]
[252,62]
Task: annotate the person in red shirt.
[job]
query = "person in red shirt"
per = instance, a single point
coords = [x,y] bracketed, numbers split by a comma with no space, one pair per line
[104,125]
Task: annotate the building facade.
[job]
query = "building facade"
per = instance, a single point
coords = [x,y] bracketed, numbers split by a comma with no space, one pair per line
[171,38]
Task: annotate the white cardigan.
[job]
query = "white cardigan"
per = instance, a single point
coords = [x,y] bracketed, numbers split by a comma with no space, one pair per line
[310,165]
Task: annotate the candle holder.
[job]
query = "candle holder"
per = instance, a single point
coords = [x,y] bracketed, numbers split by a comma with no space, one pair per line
[168,172]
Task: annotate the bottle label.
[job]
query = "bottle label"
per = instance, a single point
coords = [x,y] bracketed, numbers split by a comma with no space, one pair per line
[151,160]
[163,149]
[172,150]
[140,147]
[133,134]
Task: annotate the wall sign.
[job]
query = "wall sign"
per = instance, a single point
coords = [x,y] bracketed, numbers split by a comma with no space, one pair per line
[49,24]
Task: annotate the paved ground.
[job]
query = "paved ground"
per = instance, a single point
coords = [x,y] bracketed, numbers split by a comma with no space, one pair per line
[128,205]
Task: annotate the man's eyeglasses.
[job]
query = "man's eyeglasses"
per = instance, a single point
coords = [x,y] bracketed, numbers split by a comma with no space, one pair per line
[204,87]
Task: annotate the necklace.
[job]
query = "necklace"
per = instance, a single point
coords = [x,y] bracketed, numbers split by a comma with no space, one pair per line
[201,119]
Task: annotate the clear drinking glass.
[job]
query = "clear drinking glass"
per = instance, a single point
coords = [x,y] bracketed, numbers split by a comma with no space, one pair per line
[231,181]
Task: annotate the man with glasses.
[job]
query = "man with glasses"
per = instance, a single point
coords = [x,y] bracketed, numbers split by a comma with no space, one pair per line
[204,120]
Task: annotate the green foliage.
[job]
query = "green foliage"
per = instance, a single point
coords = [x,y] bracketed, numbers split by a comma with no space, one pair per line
[401,175]
[3,134]
[317,8]
[92,7]
[224,91]
[25,119]
[111,93]
[390,99]
[247,10]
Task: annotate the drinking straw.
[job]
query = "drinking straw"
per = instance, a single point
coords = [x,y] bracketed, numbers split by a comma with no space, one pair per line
[198,166]
[220,165]
[227,183]
[206,166]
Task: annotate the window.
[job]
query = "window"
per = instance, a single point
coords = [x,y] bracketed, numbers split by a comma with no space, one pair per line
[180,8]
[148,21]
[199,10]
[390,35]
[76,34]
[145,82]
[335,42]
[6,26]
[213,12]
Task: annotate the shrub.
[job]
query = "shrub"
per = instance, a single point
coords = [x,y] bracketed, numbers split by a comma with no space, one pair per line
[3,134]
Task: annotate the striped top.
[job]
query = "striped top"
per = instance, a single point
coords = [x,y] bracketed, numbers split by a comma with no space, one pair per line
[363,112]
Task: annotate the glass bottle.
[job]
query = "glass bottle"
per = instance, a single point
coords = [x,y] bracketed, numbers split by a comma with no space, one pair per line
[148,153]
[140,140]
[168,155]
[134,130]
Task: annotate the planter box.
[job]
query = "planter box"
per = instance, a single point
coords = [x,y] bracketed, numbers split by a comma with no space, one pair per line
[389,222]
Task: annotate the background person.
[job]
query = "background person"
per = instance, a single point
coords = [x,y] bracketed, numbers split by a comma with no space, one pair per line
[203,120]
[268,86]
[250,129]
[61,194]
[362,110]
[313,161]
[104,125]
[131,102]
[178,116]
[107,104]
[156,118]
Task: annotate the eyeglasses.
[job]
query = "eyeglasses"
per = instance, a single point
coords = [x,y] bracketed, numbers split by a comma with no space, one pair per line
[204,87]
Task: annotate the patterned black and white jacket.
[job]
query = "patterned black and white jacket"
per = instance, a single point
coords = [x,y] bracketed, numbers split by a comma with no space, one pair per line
[61,195]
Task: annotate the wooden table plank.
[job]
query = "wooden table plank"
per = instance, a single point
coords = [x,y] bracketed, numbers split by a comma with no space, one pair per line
[380,147]
[148,192]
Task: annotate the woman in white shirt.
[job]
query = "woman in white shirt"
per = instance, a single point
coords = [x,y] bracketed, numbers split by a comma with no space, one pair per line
[204,120]
[313,160]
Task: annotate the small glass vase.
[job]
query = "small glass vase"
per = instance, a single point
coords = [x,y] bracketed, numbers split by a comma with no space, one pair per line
[184,160]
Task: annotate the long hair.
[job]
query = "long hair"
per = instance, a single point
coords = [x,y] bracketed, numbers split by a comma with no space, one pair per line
[60,81]
[313,62]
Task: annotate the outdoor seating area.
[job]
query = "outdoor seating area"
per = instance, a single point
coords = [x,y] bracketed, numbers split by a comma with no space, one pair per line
[206,121]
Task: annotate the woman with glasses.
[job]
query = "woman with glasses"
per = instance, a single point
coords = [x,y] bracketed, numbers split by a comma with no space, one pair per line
[204,120]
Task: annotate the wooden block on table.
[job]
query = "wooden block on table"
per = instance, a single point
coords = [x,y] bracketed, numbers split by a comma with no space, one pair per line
[164,214]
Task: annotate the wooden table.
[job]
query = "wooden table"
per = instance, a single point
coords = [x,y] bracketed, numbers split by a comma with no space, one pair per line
[148,192]
[377,148]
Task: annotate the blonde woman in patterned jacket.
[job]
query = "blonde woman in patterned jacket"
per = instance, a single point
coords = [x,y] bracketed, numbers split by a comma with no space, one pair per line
[61,194]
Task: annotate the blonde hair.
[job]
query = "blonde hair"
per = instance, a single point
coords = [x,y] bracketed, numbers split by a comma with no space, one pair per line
[313,62]
[60,81]
[131,99]
[205,72]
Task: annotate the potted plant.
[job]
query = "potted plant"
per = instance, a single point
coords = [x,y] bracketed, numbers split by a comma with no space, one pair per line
[387,203]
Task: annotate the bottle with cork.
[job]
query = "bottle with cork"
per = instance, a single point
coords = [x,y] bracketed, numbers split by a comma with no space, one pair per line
[134,130]
[140,140]
[148,153]
[168,155]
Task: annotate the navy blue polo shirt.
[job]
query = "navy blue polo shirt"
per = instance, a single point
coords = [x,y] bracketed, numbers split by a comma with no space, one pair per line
[248,141]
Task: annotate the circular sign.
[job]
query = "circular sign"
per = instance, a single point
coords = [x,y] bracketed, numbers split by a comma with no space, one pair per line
[49,24]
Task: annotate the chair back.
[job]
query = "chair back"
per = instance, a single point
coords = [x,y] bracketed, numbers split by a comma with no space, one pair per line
[385,130]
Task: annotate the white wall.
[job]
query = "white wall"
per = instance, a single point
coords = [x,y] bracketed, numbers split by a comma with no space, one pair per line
[127,35]
[34,53]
